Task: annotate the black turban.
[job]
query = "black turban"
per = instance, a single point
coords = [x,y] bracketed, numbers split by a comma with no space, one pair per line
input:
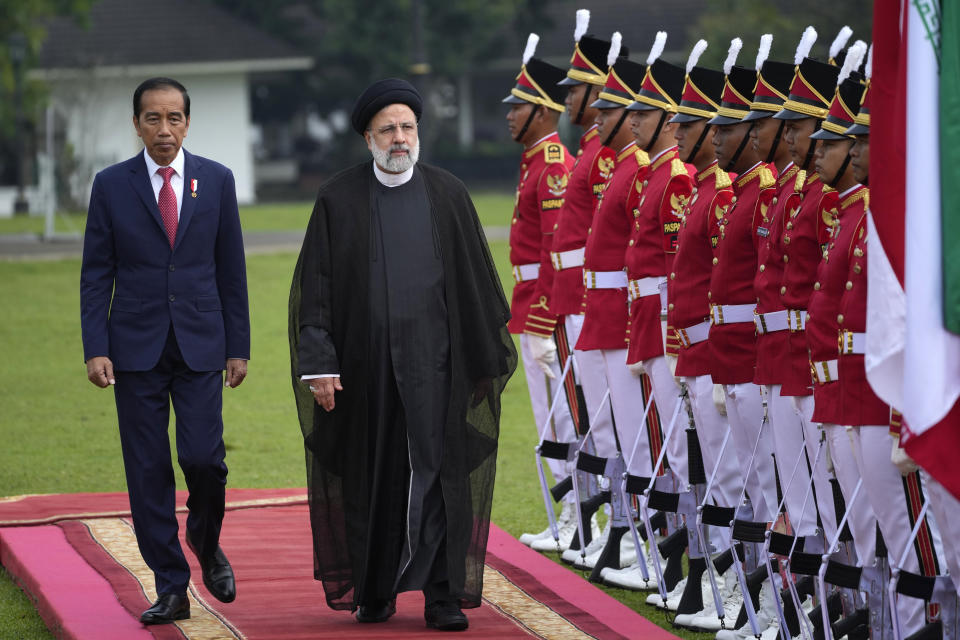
[381,94]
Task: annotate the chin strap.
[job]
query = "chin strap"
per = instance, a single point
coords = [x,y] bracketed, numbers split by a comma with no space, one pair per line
[866,180]
[743,145]
[583,106]
[696,148]
[776,142]
[812,148]
[616,129]
[656,133]
[526,125]
[840,171]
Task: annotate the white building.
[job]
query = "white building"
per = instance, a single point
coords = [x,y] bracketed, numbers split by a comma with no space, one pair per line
[91,72]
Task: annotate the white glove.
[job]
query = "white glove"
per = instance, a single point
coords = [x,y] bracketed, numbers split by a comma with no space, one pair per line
[662,288]
[636,368]
[900,459]
[672,363]
[544,351]
[720,399]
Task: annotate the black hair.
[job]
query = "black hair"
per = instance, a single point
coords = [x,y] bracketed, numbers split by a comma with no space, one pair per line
[160,83]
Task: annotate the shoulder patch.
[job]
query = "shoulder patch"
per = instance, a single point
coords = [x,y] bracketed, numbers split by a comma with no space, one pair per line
[553,152]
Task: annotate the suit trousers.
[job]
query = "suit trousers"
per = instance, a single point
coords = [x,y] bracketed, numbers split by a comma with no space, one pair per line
[666,394]
[626,399]
[543,390]
[893,498]
[592,375]
[143,410]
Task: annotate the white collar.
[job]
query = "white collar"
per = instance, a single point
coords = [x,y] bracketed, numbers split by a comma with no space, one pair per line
[392,179]
[177,163]
[539,141]
[654,158]
[849,190]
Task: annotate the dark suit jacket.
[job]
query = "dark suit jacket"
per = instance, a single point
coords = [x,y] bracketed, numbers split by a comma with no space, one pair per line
[133,285]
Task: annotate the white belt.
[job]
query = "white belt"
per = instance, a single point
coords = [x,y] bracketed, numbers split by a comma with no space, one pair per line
[796,319]
[825,371]
[692,335]
[851,343]
[644,287]
[567,259]
[771,322]
[604,279]
[525,272]
[731,313]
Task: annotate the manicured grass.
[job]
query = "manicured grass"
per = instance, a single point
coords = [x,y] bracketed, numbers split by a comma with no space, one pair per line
[60,432]
[495,209]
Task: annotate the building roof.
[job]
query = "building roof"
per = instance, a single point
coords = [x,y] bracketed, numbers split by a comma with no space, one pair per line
[129,33]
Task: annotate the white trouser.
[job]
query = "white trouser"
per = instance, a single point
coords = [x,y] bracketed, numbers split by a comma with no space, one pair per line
[789,445]
[711,428]
[745,413]
[803,405]
[885,491]
[593,381]
[626,396]
[666,394]
[542,391]
[862,521]
[946,510]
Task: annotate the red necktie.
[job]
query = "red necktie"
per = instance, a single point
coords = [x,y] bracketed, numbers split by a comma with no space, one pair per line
[167,201]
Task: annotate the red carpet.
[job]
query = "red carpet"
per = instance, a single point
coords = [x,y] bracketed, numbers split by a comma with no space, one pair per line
[77,557]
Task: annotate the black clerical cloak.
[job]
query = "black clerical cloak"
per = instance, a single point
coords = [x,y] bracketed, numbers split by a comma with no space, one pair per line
[330,297]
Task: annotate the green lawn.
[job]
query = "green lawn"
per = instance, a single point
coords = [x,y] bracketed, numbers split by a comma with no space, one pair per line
[60,432]
[494,207]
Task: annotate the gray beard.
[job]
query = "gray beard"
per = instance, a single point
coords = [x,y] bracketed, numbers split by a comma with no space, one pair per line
[397,164]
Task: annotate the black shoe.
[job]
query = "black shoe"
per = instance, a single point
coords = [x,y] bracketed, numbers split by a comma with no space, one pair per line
[167,608]
[377,611]
[217,574]
[445,615]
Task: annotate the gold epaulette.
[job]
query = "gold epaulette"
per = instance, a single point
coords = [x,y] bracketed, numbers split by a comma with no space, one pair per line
[863,193]
[766,178]
[723,178]
[677,168]
[801,180]
[643,159]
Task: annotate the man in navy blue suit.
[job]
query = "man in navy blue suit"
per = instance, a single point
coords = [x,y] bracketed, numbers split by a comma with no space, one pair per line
[163,299]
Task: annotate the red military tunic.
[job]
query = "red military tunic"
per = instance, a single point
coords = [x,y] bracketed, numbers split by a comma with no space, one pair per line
[605,322]
[822,326]
[772,329]
[591,172]
[807,233]
[544,175]
[688,311]
[656,205]
[733,340]
[859,404]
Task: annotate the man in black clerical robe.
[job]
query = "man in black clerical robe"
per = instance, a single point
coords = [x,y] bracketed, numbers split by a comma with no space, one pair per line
[399,354]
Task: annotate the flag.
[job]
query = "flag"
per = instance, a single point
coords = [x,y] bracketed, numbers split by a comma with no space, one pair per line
[912,361]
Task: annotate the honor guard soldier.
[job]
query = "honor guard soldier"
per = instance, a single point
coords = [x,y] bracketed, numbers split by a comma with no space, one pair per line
[591,171]
[772,319]
[896,500]
[535,106]
[605,319]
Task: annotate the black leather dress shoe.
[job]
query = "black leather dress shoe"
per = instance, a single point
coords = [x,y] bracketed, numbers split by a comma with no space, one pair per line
[217,574]
[167,608]
[377,611]
[445,615]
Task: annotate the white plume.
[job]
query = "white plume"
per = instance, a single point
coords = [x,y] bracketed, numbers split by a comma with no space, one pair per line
[765,41]
[695,54]
[614,52]
[840,41]
[658,43]
[854,57]
[583,21]
[735,45]
[868,70]
[806,43]
[531,47]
